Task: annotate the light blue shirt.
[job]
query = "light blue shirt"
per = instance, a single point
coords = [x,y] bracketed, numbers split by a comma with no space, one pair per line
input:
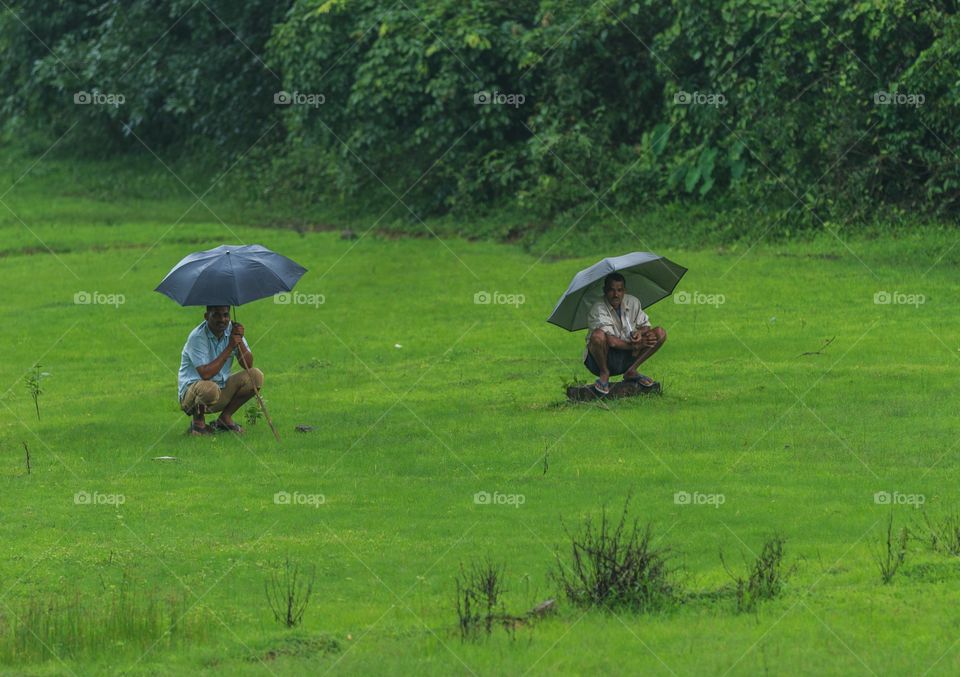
[201,348]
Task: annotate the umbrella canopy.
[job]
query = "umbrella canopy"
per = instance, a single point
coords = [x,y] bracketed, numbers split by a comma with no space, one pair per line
[230,276]
[650,277]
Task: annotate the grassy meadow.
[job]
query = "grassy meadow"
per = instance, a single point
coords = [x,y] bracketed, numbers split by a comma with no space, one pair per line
[797,401]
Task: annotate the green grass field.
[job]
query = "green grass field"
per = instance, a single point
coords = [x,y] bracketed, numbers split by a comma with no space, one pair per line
[420,398]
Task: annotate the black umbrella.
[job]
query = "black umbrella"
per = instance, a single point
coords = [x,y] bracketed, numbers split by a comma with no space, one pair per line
[230,276]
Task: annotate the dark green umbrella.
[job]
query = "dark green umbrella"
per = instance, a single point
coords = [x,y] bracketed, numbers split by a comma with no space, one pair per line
[650,277]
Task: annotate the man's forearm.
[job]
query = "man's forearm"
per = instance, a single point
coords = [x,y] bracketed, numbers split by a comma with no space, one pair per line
[211,369]
[245,356]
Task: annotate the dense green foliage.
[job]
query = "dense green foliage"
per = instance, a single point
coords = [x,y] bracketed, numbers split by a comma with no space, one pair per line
[184,69]
[807,112]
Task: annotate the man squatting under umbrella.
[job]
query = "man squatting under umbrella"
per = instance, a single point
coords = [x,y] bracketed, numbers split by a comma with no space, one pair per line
[205,383]
[619,336]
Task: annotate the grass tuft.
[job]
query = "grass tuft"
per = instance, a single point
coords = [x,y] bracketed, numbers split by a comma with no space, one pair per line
[943,534]
[892,552]
[131,621]
[766,576]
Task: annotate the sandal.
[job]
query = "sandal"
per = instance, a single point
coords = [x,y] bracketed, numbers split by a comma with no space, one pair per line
[220,424]
[601,388]
[645,381]
[194,430]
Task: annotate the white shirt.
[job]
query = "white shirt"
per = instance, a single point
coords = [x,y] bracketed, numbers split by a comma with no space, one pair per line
[603,316]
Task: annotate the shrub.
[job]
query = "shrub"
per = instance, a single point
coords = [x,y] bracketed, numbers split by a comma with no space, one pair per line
[616,564]
[479,604]
[288,593]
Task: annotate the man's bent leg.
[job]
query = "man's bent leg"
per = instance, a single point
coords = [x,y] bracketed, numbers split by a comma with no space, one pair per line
[200,398]
[237,391]
[646,353]
[597,346]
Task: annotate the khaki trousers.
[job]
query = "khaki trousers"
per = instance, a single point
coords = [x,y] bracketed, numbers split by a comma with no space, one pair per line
[213,398]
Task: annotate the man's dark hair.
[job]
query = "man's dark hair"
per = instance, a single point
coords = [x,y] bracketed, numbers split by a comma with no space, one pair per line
[611,278]
[209,308]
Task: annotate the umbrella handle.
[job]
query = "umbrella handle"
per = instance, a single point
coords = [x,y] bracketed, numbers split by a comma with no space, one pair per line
[256,390]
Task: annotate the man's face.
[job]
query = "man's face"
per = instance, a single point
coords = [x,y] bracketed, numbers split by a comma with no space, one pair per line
[615,293]
[217,319]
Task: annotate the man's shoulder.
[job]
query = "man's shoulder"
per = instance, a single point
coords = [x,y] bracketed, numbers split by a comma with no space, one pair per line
[197,332]
[631,299]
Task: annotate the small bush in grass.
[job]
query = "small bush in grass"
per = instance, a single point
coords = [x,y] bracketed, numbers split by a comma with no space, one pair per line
[892,551]
[943,534]
[34,383]
[766,576]
[252,414]
[616,564]
[479,604]
[288,593]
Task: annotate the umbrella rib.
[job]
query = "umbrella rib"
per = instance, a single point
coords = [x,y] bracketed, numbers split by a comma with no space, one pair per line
[283,283]
[236,283]
[184,262]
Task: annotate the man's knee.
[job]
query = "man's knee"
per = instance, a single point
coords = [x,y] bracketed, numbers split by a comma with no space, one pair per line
[598,337]
[257,376]
[206,393]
